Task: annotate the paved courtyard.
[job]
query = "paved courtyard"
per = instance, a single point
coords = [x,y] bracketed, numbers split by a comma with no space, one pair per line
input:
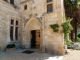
[72,55]
[37,55]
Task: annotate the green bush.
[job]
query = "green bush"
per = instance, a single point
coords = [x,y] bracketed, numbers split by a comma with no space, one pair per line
[55,27]
[78,39]
[10,46]
[68,42]
[78,35]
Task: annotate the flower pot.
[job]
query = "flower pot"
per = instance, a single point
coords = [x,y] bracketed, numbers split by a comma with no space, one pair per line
[10,49]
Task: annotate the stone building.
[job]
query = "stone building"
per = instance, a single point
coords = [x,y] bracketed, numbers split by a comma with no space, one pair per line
[27,24]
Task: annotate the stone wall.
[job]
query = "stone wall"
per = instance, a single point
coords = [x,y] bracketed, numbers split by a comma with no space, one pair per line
[50,41]
[7,12]
[35,17]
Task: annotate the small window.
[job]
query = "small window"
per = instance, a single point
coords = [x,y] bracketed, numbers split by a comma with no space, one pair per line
[12,22]
[12,2]
[49,8]
[5,0]
[25,7]
[16,22]
[49,1]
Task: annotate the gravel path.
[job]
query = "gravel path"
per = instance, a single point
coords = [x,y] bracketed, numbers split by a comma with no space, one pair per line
[72,55]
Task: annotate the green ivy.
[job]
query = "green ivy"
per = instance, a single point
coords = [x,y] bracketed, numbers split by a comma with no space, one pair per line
[67,27]
[55,27]
[78,39]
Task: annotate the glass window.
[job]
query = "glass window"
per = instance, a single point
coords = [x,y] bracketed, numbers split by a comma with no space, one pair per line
[12,2]
[49,8]
[16,22]
[25,7]
[16,33]
[5,0]
[12,22]
[14,30]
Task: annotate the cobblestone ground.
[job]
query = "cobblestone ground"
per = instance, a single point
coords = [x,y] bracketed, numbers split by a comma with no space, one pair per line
[72,55]
[18,55]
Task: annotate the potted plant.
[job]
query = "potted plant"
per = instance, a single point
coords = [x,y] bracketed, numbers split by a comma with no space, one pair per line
[10,47]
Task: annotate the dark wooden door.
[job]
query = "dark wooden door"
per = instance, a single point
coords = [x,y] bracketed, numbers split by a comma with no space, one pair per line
[33,39]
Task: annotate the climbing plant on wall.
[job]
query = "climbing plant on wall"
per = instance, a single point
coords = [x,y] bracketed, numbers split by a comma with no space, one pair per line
[55,27]
[67,27]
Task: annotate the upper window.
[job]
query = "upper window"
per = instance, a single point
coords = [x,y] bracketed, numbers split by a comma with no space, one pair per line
[12,22]
[25,7]
[49,8]
[49,1]
[5,0]
[12,2]
[16,22]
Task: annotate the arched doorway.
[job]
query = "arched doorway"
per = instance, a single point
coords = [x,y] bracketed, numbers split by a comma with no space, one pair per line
[33,33]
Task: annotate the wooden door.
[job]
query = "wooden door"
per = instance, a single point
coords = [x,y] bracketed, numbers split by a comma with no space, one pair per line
[37,38]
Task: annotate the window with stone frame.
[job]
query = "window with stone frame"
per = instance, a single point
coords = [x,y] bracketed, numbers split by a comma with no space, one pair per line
[25,7]
[49,8]
[5,0]
[12,2]
[14,30]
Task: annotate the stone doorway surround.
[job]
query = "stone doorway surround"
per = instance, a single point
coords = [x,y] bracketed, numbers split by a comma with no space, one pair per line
[32,24]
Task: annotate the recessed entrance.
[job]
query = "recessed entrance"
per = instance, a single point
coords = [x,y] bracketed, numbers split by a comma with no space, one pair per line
[35,39]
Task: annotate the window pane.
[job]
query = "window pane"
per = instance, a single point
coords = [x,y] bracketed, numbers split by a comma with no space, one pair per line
[11,33]
[16,22]
[49,1]
[5,0]
[12,21]
[16,33]
[25,7]
[12,2]
[49,8]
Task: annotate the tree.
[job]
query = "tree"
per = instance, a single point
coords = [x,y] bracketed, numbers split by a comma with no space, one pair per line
[71,10]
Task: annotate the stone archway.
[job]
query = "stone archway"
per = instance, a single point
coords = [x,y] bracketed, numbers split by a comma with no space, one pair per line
[32,24]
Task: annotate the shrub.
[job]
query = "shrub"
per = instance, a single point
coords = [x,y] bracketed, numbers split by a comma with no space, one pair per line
[79,35]
[78,39]
[55,27]
[10,46]
[68,42]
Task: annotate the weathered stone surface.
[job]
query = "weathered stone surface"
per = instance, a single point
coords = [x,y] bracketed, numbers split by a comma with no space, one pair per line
[34,18]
